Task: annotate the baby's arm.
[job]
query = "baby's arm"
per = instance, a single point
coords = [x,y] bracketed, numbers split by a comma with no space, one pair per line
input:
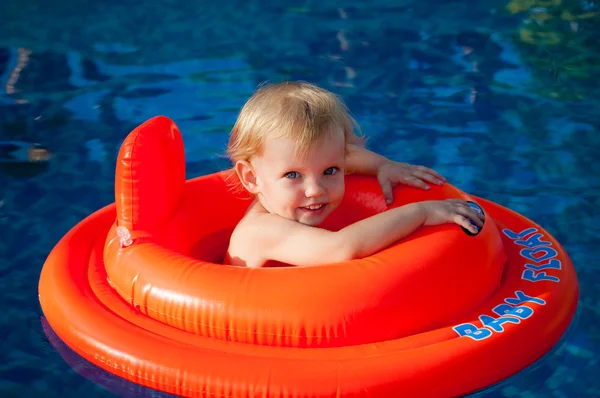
[294,243]
[389,173]
[362,161]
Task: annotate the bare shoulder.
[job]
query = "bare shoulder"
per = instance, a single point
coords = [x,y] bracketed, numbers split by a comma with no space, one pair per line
[251,238]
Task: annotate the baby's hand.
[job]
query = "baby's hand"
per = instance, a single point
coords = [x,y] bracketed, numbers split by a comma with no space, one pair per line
[391,173]
[451,210]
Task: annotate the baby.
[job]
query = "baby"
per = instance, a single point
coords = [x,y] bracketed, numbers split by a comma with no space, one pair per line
[291,146]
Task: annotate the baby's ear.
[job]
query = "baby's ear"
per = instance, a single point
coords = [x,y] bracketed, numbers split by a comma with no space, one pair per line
[245,173]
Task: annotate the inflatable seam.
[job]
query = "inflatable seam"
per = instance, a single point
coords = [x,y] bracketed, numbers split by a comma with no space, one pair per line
[130,179]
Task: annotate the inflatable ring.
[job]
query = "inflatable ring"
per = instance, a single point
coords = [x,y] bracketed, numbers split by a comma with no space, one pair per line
[137,288]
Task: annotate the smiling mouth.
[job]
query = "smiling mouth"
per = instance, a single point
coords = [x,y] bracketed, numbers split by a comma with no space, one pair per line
[314,208]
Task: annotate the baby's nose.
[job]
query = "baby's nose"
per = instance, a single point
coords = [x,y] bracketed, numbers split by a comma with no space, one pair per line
[313,189]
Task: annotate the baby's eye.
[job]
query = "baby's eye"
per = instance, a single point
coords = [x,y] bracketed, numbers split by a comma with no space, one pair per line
[292,174]
[331,171]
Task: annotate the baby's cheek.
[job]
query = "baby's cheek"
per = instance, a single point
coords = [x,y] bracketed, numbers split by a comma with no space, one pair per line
[291,203]
[339,190]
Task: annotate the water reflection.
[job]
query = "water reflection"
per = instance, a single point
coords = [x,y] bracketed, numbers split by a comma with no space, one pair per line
[114,384]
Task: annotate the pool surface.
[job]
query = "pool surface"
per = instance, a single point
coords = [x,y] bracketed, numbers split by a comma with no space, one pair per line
[501,97]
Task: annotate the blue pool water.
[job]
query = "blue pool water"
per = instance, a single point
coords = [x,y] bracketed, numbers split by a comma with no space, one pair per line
[501,97]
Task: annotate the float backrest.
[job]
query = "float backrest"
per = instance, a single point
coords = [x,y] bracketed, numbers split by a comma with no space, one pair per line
[150,176]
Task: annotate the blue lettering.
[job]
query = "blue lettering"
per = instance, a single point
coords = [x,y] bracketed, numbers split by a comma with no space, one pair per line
[502,309]
[511,312]
[532,241]
[548,253]
[521,312]
[520,235]
[531,276]
[552,264]
[523,298]
[496,324]
[472,331]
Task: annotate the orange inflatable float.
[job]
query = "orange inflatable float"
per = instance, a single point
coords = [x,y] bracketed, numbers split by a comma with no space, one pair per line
[137,288]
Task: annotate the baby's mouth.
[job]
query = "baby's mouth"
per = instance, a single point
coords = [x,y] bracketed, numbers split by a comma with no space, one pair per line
[314,209]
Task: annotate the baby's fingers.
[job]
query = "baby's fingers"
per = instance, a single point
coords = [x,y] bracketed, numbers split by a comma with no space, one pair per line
[430,173]
[465,223]
[464,209]
[415,182]
[386,189]
[421,175]
[480,216]
[472,215]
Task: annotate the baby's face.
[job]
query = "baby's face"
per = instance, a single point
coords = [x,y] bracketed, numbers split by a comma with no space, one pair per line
[305,189]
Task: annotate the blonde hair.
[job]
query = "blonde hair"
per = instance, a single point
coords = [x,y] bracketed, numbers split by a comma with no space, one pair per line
[299,111]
